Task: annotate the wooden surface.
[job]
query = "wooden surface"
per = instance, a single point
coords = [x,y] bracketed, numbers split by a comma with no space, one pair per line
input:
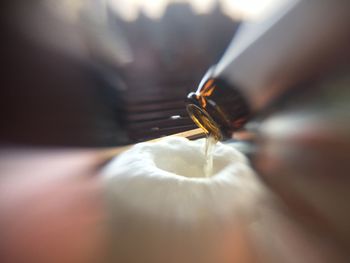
[108,153]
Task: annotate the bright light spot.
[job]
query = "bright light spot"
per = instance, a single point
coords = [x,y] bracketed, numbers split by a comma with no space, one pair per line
[249,9]
[201,6]
[175,117]
[246,9]
[154,9]
[126,9]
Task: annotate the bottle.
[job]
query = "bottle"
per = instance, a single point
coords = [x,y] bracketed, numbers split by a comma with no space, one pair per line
[297,42]
[217,108]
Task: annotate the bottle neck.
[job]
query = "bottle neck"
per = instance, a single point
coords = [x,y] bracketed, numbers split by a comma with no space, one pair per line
[218,108]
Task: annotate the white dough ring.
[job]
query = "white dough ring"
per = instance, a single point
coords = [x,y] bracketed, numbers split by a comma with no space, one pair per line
[163,210]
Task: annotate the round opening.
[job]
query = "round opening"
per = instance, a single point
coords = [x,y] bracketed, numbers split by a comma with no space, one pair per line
[187,158]
[179,163]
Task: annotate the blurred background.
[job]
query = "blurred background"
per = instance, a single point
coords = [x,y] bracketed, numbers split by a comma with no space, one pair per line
[96,73]
[121,71]
[171,50]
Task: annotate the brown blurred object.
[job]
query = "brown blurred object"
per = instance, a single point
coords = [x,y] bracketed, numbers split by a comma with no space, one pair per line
[51,206]
[302,153]
[53,91]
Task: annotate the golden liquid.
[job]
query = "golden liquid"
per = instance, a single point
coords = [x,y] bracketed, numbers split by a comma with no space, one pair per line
[204,121]
[210,143]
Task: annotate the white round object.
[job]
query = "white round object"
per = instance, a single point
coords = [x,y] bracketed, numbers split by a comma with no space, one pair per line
[163,209]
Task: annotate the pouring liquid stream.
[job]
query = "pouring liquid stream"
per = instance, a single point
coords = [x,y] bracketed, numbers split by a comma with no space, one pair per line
[210,143]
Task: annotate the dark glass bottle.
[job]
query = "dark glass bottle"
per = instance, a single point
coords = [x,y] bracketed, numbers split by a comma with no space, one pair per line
[218,108]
